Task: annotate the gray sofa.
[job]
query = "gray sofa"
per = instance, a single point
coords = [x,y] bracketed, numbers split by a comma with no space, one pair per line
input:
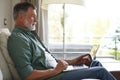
[6,64]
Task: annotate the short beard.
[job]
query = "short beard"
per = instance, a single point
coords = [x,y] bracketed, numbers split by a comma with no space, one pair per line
[29,26]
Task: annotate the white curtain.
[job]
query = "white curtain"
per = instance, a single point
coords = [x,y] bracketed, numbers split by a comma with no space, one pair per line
[42,23]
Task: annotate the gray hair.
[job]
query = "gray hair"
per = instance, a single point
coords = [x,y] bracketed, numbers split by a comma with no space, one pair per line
[21,7]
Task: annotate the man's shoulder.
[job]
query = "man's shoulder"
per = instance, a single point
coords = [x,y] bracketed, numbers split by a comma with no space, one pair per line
[17,34]
[17,38]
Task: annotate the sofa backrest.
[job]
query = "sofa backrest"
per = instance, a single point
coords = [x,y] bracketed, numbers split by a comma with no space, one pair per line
[8,69]
[4,68]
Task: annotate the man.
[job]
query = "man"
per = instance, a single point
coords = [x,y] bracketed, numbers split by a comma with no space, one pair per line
[33,60]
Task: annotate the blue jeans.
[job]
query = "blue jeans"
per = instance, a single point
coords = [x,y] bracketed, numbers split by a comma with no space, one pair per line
[94,72]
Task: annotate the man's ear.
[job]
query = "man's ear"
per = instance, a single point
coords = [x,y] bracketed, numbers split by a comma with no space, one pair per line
[21,16]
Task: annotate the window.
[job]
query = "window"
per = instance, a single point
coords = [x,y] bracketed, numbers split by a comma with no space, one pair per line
[77,28]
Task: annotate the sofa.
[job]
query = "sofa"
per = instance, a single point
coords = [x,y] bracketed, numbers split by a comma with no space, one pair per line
[7,68]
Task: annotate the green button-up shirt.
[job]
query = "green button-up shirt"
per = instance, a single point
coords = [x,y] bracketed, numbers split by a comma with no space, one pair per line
[29,53]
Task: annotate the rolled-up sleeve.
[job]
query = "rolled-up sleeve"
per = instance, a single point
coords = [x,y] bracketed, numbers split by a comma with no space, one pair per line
[20,52]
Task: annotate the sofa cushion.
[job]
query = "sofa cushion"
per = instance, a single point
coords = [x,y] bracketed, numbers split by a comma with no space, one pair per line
[4,34]
[4,68]
[1,76]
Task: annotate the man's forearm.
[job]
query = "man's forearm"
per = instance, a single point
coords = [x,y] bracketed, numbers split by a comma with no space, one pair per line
[42,74]
[70,62]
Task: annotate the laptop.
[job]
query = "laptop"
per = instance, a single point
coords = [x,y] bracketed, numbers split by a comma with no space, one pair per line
[71,67]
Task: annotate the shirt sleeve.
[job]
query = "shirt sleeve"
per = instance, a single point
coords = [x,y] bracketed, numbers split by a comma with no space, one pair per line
[20,52]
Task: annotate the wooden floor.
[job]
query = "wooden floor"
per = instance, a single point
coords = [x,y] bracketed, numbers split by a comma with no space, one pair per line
[116,74]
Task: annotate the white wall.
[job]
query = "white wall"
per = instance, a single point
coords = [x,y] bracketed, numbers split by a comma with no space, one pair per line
[6,7]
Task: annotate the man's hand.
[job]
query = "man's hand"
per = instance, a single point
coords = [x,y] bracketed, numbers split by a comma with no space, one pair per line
[83,59]
[62,65]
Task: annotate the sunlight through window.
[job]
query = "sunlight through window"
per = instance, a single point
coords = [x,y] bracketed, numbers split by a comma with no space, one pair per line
[70,24]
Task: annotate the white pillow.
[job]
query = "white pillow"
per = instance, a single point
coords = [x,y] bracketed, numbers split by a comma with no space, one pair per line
[4,34]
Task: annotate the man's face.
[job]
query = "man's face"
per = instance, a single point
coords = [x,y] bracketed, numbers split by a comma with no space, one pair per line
[30,19]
